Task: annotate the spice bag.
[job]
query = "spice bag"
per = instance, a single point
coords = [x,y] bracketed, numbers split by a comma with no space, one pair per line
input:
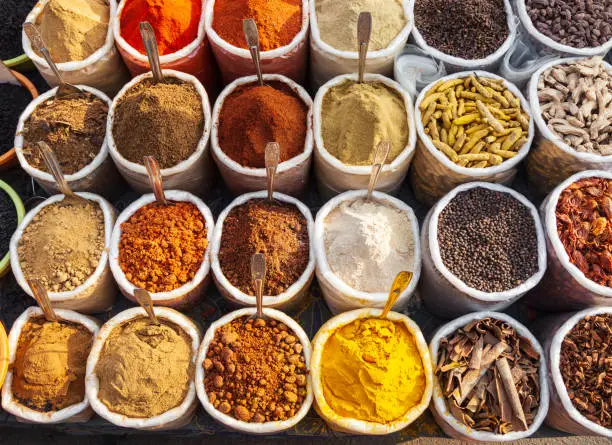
[184,296]
[287,300]
[172,419]
[100,176]
[339,296]
[562,415]
[443,292]
[194,174]
[79,412]
[327,62]
[234,62]
[195,59]
[355,426]
[99,291]
[231,422]
[291,176]
[564,287]
[551,160]
[103,70]
[442,415]
[333,176]
[433,175]
[454,64]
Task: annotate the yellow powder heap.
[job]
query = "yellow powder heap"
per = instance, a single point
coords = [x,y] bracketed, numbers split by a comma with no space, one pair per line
[74,29]
[357,116]
[49,367]
[144,370]
[371,370]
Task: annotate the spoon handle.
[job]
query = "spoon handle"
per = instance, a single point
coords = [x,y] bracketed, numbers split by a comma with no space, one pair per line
[150,45]
[364,31]
[400,283]
[39,45]
[42,298]
[272,158]
[155,179]
[55,169]
[380,156]
[258,274]
[251,35]
[144,300]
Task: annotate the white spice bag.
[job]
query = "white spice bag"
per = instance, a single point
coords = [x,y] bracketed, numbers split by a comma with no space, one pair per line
[552,160]
[98,292]
[355,426]
[234,62]
[327,62]
[433,174]
[564,286]
[290,298]
[442,415]
[79,412]
[454,64]
[194,174]
[229,421]
[340,296]
[443,292]
[562,415]
[103,70]
[291,176]
[189,293]
[100,176]
[333,176]
[171,419]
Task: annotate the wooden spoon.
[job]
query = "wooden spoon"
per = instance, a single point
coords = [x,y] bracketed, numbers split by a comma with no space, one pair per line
[56,171]
[150,44]
[144,300]
[155,179]
[42,298]
[400,283]
[364,31]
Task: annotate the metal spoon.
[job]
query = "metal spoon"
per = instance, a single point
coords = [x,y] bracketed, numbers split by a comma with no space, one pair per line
[258,274]
[64,89]
[380,156]
[364,31]
[150,45]
[272,158]
[6,76]
[42,298]
[155,179]
[144,300]
[56,171]
[400,283]
[252,39]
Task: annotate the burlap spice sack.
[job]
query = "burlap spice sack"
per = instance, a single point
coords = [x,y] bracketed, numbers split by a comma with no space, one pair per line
[283,35]
[70,32]
[76,132]
[46,380]
[246,117]
[181,38]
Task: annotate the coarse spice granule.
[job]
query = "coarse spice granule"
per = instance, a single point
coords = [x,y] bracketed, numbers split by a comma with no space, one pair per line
[488,240]
[256,371]
[8,221]
[162,247]
[15,99]
[275,228]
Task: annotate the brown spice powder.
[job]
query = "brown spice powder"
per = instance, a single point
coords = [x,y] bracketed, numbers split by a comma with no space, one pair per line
[274,228]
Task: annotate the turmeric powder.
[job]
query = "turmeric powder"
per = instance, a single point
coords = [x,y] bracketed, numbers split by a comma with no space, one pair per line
[372,370]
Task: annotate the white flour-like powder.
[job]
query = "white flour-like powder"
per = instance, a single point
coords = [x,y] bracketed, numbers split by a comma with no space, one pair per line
[368,243]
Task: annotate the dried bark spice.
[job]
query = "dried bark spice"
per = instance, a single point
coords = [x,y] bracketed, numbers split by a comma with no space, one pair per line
[586,367]
[490,376]
[584,225]
[256,371]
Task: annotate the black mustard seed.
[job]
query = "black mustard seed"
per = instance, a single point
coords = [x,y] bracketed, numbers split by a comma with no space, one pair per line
[8,221]
[13,100]
[13,14]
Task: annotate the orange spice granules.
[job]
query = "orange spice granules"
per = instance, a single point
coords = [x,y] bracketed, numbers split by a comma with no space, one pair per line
[162,247]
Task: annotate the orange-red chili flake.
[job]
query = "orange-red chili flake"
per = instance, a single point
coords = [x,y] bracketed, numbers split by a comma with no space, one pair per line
[162,247]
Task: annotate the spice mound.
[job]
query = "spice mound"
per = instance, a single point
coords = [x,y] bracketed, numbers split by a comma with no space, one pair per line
[367,243]
[254,115]
[164,120]
[489,375]
[255,371]
[74,128]
[74,29]
[162,247]
[8,219]
[472,29]
[278,21]
[145,369]
[278,230]
[585,367]
[15,99]
[488,240]
[476,122]
[371,370]
[175,23]
[357,116]
[50,361]
[338,22]
[576,104]
[62,245]
[584,225]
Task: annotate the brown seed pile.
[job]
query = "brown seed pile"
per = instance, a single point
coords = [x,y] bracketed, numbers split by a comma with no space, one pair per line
[586,367]
[256,371]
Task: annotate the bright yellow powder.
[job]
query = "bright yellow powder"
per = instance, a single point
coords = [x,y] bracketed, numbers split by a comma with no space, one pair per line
[371,370]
